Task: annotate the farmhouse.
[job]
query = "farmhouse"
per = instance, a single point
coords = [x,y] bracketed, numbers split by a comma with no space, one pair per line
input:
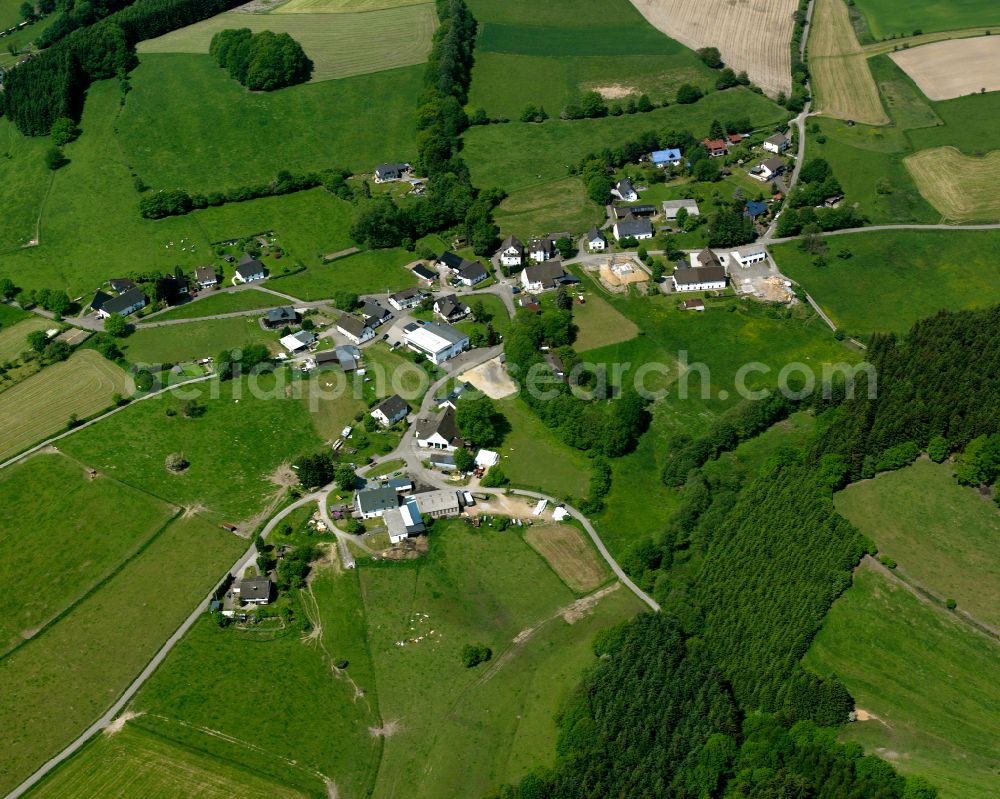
[206,277]
[407,298]
[716,147]
[404,521]
[356,331]
[390,410]
[298,341]
[596,242]
[671,207]
[471,273]
[777,143]
[768,170]
[665,158]
[439,432]
[248,270]
[543,249]
[374,314]
[125,303]
[424,274]
[387,173]
[439,342]
[253,590]
[374,502]
[633,228]
[709,275]
[511,252]
[280,317]
[438,503]
[539,277]
[624,190]
[450,309]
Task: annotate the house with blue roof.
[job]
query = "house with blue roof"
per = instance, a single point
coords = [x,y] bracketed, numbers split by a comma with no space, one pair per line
[664,158]
[755,208]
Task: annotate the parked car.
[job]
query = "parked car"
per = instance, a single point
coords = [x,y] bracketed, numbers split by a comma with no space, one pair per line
[385,336]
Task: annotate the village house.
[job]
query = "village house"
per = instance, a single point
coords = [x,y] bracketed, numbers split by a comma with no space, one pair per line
[404,521]
[280,317]
[543,276]
[625,191]
[777,143]
[596,241]
[373,502]
[374,314]
[471,273]
[671,207]
[388,173]
[356,331]
[709,273]
[206,277]
[248,270]
[407,298]
[754,209]
[346,356]
[543,249]
[450,261]
[449,309]
[439,432]
[734,139]
[439,342]
[124,304]
[511,252]
[390,410]
[253,590]
[665,158]
[633,228]
[438,504]
[298,341]
[716,147]
[768,170]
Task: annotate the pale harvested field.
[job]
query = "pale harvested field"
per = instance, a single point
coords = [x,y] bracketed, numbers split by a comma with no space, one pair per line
[568,554]
[841,80]
[340,45]
[340,6]
[752,35]
[14,339]
[954,68]
[41,405]
[961,187]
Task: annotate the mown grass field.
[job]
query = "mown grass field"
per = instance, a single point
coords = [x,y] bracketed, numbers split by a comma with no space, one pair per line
[193,340]
[559,205]
[58,540]
[42,405]
[137,763]
[340,6]
[961,187]
[888,17]
[869,292]
[528,444]
[945,537]
[228,302]
[13,339]
[60,682]
[365,272]
[26,180]
[339,47]
[599,323]
[931,681]
[466,730]
[234,447]
[241,138]
[569,554]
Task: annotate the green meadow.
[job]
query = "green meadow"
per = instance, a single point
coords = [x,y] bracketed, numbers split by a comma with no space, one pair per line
[893,278]
[25,184]
[228,302]
[930,682]
[365,272]
[193,340]
[560,205]
[890,17]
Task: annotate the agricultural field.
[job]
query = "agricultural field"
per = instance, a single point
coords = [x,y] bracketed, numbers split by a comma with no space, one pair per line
[961,187]
[228,302]
[13,339]
[737,30]
[929,683]
[570,555]
[948,69]
[340,47]
[945,537]
[890,18]
[193,340]
[365,272]
[600,324]
[562,204]
[340,6]
[212,150]
[61,681]
[69,554]
[941,269]
[842,82]
[41,405]
[135,763]
[26,181]
[244,434]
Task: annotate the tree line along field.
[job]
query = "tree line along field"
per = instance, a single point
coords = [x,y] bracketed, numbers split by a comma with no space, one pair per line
[13,339]
[339,46]
[889,17]
[945,538]
[941,270]
[929,681]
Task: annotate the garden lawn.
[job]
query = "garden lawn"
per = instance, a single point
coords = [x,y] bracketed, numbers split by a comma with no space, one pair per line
[558,205]
[61,535]
[466,730]
[894,278]
[945,537]
[60,682]
[13,339]
[234,447]
[239,137]
[197,339]
[931,682]
[493,306]
[43,404]
[891,18]
[228,302]
[368,272]
[322,727]
[532,457]
[331,401]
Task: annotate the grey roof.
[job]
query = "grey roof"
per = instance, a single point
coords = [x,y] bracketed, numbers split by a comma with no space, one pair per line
[351,324]
[284,314]
[130,298]
[371,310]
[399,484]
[777,138]
[248,266]
[205,274]
[422,271]
[444,425]
[121,284]
[447,332]
[699,274]
[393,407]
[625,186]
[546,273]
[376,499]
[546,245]
[596,234]
[632,226]
[773,164]
[391,171]
[449,306]
[451,260]
[254,588]
[512,241]
[708,258]
[100,298]
[472,270]
[406,294]
[431,502]
[307,337]
[669,205]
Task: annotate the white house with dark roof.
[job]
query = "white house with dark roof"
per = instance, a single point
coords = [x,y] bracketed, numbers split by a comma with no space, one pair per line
[249,270]
[705,272]
[280,317]
[471,273]
[596,241]
[253,590]
[390,410]
[632,227]
[624,190]
[777,143]
[543,249]
[355,330]
[768,170]
[374,314]
[543,276]
[439,432]
[406,299]
[206,277]
[373,502]
[388,173]
[511,252]
[449,309]
[125,303]
[439,342]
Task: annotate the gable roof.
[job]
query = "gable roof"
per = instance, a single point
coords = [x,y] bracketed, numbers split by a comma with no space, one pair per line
[205,274]
[472,270]
[545,244]
[773,164]
[443,425]
[376,499]
[714,144]
[777,138]
[392,406]
[594,235]
[708,258]
[451,260]
[128,299]
[687,204]
[284,314]
[422,271]
[512,241]
[391,170]
[633,226]
[100,298]
[351,324]
[249,266]
[756,208]
[254,588]
[546,273]
[121,284]
[406,294]
[448,305]
[371,310]
[624,186]
[685,275]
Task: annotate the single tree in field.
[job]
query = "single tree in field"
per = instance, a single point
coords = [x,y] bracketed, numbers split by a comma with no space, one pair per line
[7,288]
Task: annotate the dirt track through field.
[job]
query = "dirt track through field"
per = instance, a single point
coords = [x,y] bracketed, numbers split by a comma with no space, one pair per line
[841,78]
[944,70]
[961,187]
[752,35]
